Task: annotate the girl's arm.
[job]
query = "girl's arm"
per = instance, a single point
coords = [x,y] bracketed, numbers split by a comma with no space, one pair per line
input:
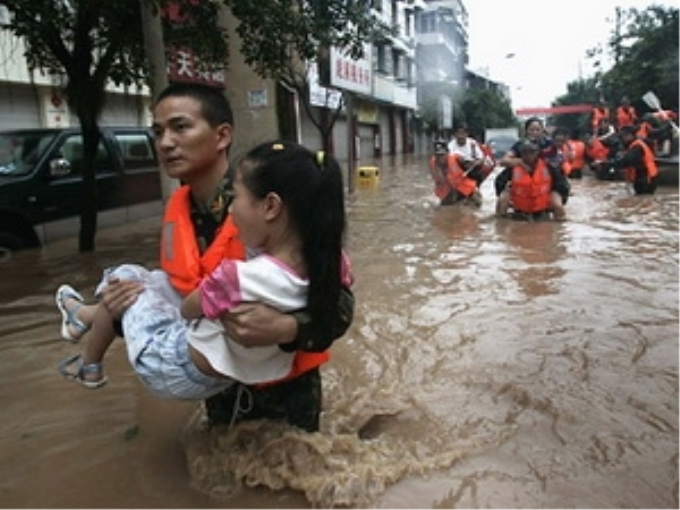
[191,306]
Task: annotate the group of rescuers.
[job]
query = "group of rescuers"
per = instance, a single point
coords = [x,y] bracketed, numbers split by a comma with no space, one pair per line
[534,180]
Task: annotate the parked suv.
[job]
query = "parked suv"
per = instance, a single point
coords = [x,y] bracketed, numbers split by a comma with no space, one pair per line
[41,177]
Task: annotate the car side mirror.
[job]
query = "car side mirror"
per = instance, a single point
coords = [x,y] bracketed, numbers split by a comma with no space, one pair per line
[59,167]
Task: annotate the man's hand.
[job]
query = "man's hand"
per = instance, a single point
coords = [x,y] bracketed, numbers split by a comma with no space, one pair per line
[255,324]
[118,295]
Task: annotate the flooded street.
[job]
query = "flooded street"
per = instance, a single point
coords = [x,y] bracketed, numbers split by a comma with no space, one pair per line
[491,364]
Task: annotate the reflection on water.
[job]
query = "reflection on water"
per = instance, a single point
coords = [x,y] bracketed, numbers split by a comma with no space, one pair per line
[491,364]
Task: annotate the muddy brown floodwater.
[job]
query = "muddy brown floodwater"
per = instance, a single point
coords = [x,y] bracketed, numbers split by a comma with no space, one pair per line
[491,364]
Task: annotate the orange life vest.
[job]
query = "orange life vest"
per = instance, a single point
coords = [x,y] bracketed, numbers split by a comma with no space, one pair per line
[530,192]
[577,152]
[441,186]
[186,267]
[457,178]
[450,178]
[625,116]
[179,252]
[644,131]
[597,151]
[647,160]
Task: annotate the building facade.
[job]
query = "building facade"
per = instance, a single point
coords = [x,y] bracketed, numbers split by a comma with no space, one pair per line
[383,89]
[33,99]
[443,64]
[442,54]
[384,118]
[388,87]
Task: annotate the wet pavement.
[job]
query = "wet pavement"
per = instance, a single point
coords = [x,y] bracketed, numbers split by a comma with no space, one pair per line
[491,364]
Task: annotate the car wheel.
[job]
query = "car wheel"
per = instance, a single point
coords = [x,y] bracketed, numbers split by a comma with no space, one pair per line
[8,244]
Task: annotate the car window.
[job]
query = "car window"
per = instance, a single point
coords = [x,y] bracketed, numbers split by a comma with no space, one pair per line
[72,151]
[136,150]
[19,152]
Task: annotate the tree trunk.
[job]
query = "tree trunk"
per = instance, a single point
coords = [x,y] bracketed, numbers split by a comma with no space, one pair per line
[154,48]
[87,108]
[88,213]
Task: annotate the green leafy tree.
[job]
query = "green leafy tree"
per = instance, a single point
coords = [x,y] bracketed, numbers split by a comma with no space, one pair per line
[582,91]
[643,45]
[646,51]
[281,39]
[94,43]
[483,108]
[477,108]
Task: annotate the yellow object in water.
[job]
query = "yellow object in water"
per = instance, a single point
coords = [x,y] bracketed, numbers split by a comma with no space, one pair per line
[367,176]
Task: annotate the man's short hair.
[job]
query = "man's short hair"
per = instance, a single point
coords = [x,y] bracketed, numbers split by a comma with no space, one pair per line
[214,105]
[527,145]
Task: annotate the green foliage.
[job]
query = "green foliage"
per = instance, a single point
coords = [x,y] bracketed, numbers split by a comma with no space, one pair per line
[647,57]
[72,38]
[199,30]
[275,33]
[479,109]
[583,91]
[483,108]
[644,47]
[92,42]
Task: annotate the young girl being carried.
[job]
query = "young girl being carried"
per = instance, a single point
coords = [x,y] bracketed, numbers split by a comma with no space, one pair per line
[289,209]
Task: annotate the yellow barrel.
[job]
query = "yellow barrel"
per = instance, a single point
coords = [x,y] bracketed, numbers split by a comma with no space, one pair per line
[367,176]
